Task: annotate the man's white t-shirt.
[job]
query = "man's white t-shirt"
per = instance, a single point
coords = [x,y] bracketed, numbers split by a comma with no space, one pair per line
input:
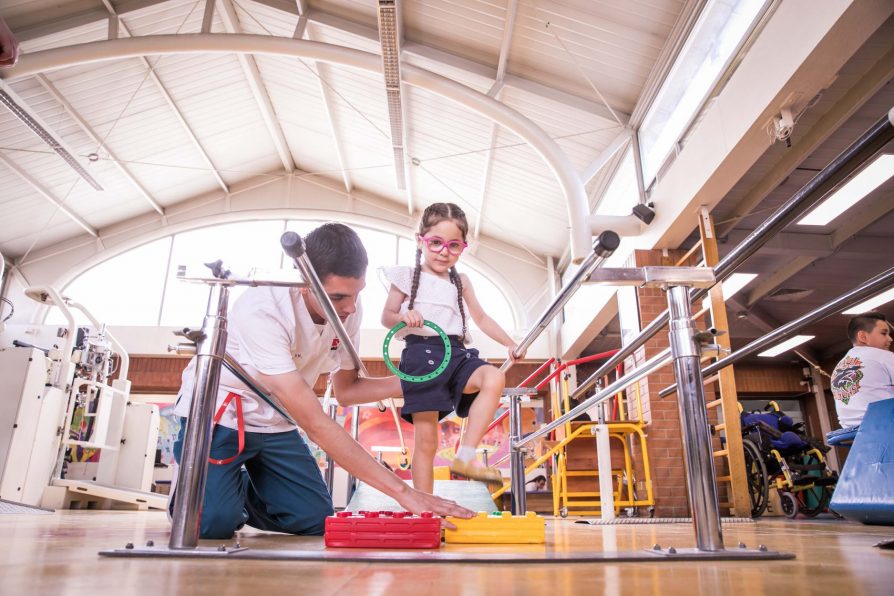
[863,376]
[270,332]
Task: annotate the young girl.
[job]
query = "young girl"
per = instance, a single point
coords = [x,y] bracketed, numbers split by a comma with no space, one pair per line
[434,291]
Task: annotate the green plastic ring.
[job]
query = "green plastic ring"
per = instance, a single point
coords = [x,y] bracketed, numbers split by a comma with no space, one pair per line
[421,378]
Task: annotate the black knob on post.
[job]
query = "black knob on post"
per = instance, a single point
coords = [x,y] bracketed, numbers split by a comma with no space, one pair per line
[292,244]
[607,242]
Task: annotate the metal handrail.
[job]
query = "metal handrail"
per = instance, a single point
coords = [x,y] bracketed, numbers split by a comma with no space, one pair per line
[647,368]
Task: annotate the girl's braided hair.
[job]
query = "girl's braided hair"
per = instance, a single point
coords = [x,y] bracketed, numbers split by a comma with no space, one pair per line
[432,216]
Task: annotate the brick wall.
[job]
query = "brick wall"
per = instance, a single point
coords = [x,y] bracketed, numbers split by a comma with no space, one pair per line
[662,414]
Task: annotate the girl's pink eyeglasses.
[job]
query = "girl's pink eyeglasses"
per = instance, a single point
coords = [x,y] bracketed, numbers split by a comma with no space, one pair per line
[437,244]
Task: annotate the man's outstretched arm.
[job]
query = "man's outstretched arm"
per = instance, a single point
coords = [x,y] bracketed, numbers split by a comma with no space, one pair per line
[302,404]
[351,389]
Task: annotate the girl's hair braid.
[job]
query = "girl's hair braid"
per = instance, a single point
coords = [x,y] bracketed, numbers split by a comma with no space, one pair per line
[458,282]
[415,285]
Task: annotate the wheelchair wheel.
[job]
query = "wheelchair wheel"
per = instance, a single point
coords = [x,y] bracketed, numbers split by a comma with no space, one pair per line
[814,500]
[789,504]
[756,477]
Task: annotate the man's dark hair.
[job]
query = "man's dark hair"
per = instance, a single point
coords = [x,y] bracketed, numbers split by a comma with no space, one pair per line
[863,322]
[335,249]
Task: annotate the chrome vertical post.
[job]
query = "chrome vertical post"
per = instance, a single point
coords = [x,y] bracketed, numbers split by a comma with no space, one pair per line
[517,458]
[697,449]
[193,468]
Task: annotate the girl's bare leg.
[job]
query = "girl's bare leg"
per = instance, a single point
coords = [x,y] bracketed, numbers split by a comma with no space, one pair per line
[425,425]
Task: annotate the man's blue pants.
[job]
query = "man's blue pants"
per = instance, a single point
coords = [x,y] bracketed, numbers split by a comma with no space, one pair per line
[274,484]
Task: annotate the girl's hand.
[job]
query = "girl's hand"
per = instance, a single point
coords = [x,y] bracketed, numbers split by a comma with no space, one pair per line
[413,318]
[516,357]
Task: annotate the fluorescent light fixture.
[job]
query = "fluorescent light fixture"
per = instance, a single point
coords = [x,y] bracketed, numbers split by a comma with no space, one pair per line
[870,304]
[856,189]
[389,38]
[786,346]
[736,282]
[16,107]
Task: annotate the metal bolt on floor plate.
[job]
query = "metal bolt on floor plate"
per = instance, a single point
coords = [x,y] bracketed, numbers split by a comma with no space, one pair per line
[238,545]
[742,545]
[672,550]
[656,546]
[150,543]
[762,548]
[222,548]
[129,545]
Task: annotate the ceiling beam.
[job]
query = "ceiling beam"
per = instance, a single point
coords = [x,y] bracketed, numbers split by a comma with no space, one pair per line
[88,130]
[495,90]
[803,146]
[258,89]
[617,144]
[302,29]
[765,323]
[59,16]
[806,244]
[853,224]
[442,59]
[60,205]
[769,282]
[542,143]
[172,105]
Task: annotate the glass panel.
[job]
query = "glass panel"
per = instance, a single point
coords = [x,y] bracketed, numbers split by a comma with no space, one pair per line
[380,249]
[622,192]
[706,54]
[242,246]
[124,290]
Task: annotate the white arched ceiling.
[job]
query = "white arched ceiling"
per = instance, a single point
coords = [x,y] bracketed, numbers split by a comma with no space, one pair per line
[568,179]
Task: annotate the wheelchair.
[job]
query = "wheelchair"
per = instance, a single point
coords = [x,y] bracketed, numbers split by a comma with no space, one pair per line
[779,455]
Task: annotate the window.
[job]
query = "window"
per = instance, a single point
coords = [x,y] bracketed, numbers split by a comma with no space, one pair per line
[140,287]
[124,290]
[622,192]
[707,52]
[241,246]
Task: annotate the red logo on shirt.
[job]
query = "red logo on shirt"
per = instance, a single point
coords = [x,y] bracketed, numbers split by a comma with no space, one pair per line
[334,343]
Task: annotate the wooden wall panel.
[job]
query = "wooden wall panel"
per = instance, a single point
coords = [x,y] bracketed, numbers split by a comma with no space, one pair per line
[769,379]
[161,374]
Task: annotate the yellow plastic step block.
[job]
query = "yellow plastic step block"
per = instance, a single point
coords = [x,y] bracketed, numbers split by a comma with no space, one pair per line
[497,528]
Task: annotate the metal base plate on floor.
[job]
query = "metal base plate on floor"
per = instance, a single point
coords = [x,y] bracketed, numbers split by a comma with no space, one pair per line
[620,521]
[732,554]
[201,552]
[529,555]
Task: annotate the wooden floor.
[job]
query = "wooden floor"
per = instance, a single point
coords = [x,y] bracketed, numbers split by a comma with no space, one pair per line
[57,554]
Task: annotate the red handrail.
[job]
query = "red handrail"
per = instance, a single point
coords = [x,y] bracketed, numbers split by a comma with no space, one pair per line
[565,365]
[530,378]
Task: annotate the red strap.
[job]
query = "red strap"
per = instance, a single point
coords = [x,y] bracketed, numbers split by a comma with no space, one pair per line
[240,426]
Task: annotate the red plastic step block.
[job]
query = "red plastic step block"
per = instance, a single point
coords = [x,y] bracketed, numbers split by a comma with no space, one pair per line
[383,529]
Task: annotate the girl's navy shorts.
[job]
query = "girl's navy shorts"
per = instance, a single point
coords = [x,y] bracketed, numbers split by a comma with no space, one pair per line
[443,394]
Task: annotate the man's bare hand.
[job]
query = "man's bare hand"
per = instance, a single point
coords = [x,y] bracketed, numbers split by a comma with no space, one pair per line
[416,502]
